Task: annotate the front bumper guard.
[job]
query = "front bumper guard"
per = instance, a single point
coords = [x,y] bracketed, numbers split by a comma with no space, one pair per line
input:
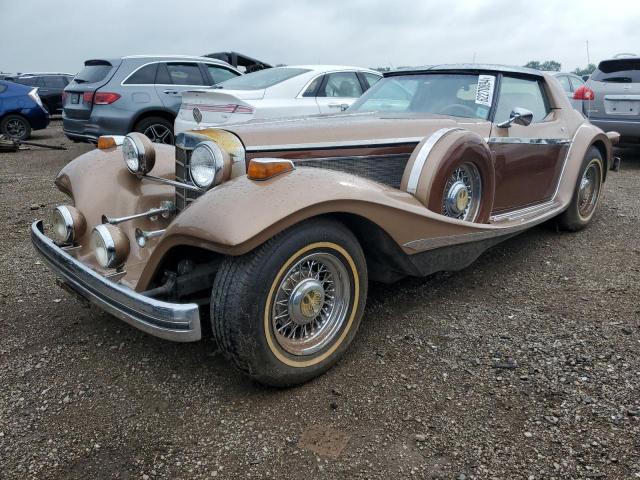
[172,321]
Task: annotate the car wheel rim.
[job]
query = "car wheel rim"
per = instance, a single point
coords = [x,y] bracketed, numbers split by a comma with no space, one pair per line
[159,134]
[16,128]
[311,304]
[462,193]
[589,189]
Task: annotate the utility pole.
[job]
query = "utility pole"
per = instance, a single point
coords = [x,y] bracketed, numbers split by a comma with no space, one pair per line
[588,59]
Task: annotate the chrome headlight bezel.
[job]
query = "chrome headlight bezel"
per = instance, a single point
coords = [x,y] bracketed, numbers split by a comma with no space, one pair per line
[138,153]
[68,224]
[207,165]
[110,246]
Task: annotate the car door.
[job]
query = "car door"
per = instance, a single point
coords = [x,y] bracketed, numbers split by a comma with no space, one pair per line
[338,91]
[173,78]
[528,159]
[55,85]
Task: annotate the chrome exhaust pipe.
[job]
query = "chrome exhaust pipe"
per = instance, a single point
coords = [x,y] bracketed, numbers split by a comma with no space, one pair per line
[143,236]
[166,208]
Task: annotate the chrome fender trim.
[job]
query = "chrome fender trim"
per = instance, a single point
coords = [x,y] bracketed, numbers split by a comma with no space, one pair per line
[421,158]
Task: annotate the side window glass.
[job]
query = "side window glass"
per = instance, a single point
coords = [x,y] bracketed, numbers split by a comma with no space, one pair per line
[162,75]
[576,83]
[185,74]
[2,88]
[313,87]
[371,78]
[523,93]
[143,76]
[343,85]
[564,81]
[220,74]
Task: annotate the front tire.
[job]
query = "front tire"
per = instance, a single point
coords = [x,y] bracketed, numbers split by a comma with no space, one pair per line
[586,194]
[287,311]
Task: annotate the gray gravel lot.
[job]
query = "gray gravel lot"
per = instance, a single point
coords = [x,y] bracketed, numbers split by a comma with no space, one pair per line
[524,366]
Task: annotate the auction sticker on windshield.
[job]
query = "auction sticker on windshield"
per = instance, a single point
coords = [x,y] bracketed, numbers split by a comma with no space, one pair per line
[484,93]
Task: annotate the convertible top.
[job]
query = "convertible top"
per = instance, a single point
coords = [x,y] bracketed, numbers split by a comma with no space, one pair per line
[467,67]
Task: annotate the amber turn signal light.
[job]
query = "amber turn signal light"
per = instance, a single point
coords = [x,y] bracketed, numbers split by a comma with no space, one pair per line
[109,141]
[265,168]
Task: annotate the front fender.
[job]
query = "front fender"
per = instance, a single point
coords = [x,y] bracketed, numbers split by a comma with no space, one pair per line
[240,215]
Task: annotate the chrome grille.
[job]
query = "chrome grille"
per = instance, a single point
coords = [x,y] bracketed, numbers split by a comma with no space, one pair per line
[183,196]
[387,169]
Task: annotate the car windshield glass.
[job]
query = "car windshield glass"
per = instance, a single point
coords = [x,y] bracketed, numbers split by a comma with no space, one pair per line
[618,71]
[262,78]
[456,95]
[93,73]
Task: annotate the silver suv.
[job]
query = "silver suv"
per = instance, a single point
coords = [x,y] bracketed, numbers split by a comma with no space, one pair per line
[136,93]
[612,97]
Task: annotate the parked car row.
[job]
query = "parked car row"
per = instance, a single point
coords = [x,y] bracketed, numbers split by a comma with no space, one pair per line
[269,230]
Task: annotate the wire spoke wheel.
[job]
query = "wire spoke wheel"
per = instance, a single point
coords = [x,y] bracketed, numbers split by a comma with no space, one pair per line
[159,134]
[462,193]
[589,189]
[311,304]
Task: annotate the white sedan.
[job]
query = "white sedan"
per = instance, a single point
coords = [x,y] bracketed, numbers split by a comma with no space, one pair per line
[275,92]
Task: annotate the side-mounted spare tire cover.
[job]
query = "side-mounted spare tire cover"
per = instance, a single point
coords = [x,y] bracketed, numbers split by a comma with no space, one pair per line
[452,172]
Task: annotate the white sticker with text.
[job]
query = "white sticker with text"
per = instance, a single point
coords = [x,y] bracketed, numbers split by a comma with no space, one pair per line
[484,93]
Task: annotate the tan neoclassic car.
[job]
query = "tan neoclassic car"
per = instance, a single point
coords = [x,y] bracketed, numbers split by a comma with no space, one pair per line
[271,230]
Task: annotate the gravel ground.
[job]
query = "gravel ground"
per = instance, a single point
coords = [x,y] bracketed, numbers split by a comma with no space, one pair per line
[523,366]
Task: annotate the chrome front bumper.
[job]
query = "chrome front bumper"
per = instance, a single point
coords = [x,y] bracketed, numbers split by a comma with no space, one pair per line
[172,321]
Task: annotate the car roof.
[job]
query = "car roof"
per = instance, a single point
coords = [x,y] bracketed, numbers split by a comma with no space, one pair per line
[38,74]
[176,57]
[330,68]
[467,67]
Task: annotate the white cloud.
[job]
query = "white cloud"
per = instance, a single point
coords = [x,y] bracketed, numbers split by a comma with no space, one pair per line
[61,35]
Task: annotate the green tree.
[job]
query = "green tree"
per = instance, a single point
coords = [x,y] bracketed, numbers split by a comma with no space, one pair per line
[585,71]
[548,65]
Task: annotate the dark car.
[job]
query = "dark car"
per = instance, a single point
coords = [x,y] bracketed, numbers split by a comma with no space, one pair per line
[140,93]
[50,87]
[21,110]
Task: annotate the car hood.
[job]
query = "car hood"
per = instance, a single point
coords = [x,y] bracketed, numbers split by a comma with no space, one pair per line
[321,131]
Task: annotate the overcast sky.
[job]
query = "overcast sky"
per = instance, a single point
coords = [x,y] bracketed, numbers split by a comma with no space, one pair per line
[47,35]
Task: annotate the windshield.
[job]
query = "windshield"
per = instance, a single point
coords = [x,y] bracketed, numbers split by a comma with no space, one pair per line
[262,78]
[456,95]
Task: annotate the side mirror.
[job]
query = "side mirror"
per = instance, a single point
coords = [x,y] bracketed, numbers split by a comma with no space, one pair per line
[519,116]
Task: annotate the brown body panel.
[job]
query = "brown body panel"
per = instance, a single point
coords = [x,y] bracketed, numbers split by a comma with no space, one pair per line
[526,175]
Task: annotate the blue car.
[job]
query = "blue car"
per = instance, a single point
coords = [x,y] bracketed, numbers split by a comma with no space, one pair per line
[21,110]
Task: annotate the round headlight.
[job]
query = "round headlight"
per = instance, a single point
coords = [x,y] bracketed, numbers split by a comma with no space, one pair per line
[207,165]
[68,224]
[138,153]
[110,246]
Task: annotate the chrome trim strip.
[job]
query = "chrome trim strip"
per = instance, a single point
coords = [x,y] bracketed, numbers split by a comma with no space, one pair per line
[171,321]
[348,143]
[421,158]
[447,241]
[173,183]
[515,214]
[529,141]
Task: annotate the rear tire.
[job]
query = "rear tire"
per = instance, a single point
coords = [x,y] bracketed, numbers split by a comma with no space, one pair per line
[16,127]
[287,311]
[586,194]
[158,129]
